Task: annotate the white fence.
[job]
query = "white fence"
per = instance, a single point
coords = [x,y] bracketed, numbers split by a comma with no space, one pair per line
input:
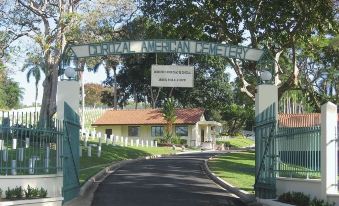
[88,137]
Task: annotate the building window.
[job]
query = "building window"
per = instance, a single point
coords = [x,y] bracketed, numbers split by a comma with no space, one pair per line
[181,131]
[133,131]
[157,131]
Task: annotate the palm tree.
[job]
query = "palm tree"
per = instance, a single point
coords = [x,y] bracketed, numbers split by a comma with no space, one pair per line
[169,115]
[34,64]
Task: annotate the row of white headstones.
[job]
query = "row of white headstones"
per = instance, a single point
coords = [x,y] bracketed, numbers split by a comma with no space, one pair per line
[20,156]
[113,140]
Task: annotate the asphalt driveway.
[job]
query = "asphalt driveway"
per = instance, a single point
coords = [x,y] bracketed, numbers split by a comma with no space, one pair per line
[172,181]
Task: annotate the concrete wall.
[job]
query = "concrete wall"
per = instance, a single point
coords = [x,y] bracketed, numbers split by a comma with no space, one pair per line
[309,187]
[333,198]
[52,183]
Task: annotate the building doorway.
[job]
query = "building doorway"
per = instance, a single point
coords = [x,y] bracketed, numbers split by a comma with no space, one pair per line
[202,135]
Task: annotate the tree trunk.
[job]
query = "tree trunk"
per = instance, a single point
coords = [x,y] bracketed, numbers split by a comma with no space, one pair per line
[48,105]
[36,98]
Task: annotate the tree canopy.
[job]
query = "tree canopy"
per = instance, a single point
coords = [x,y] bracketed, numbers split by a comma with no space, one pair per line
[279,26]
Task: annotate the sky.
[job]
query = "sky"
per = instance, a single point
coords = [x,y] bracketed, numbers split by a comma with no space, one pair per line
[29,88]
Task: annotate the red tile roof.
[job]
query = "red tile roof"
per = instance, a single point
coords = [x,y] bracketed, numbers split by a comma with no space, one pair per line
[299,120]
[147,117]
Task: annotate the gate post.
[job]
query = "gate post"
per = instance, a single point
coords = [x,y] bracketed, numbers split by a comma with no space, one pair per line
[68,98]
[266,114]
[68,91]
[329,162]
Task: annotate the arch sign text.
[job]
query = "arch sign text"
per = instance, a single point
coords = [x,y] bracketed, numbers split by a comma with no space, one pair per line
[166,46]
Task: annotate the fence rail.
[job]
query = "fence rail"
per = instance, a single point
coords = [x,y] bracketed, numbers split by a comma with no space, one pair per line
[298,151]
[29,146]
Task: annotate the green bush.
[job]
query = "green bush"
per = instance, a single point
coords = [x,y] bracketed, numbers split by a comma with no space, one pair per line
[175,140]
[29,193]
[0,193]
[300,199]
[42,193]
[16,193]
[183,141]
[9,194]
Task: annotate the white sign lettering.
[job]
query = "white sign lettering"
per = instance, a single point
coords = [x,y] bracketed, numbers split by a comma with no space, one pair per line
[172,76]
[167,46]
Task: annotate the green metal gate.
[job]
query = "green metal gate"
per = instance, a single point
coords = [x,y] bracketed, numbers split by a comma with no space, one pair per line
[71,183]
[265,156]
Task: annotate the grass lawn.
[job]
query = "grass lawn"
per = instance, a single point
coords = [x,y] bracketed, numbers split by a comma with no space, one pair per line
[89,166]
[236,168]
[238,142]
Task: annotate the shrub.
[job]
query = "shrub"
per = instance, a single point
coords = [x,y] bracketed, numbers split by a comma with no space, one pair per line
[183,141]
[16,193]
[29,193]
[175,140]
[42,193]
[300,199]
[9,194]
[0,193]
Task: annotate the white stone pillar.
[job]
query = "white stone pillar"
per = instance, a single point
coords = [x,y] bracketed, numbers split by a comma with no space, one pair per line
[329,162]
[142,143]
[67,92]
[89,151]
[21,154]
[99,151]
[27,142]
[132,143]
[126,141]
[266,95]
[137,143]
[146,143]
[13,166]
[99,139]
[4,154]
[14,143]
[93,133]
[122,141]
[156,143]
[112,139]
[152,143]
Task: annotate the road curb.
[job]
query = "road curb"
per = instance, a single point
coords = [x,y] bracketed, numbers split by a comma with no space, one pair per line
[244,196]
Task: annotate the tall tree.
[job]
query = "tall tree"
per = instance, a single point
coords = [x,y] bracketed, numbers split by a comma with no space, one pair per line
[51,25]
[94,94]
[46,24]
[10,92]
[277,25]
